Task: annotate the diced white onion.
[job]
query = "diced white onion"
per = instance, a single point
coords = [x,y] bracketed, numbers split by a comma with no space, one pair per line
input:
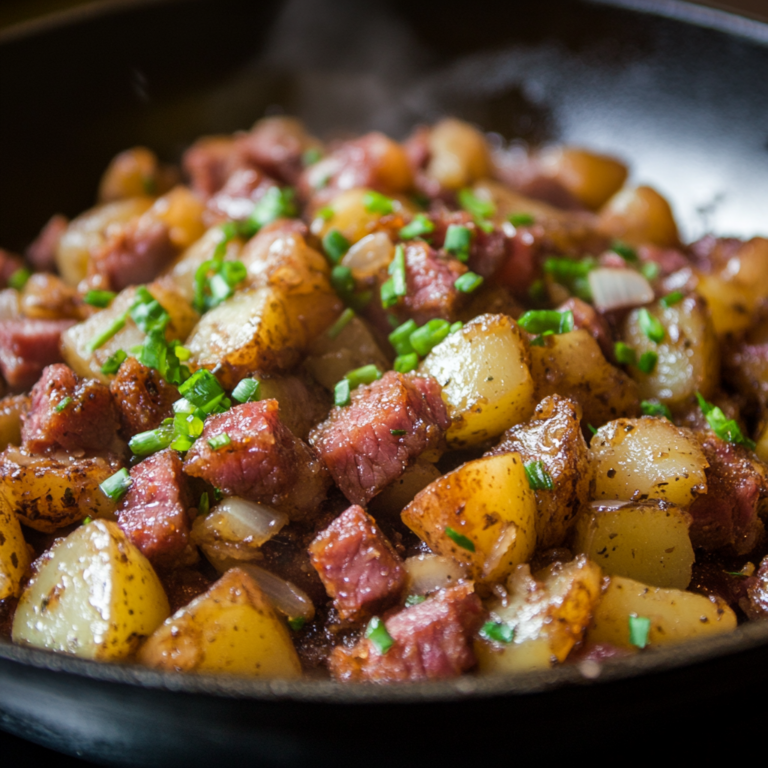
[619,288]
[367,257]
[243,520]
[285,596]
[10,307]
[427,573]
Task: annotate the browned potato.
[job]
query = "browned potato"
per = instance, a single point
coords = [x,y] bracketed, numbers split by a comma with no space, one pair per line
[573,365]
[458,153]
[303,402]
[688,355]
[481,514]
[14,552]
[640,215]
[182,212]
[636,459]
[401,492]
[133,173]
[11,410]
[231,628]
[553,437]
[50,493]
[647,541]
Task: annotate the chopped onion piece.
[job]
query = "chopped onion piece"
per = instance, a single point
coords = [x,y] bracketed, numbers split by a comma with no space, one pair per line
[619,288]
[238,519]
[285,596]
[367,257]
[428,573]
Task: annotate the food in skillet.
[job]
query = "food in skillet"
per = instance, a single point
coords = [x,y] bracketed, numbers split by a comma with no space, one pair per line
[395,411]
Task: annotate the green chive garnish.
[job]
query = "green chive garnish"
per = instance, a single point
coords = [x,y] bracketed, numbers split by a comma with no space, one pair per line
[624,353]
[546,320]
[19,278]
[457,241]
[201,389]
[344,320]
[400,338]
[406,363]
[152,441]
[419,226]
[424,339]
[365,375]
[520,219]
[113,362]
[639,628]
[396,286]
[498,631]
[325,213]
[204,505]
[650,270]
[63,404]
[671,299]
[725,428]
[471,203]
[377,633]
[412,600]
[297,623]
[276,204]
[101,339]
[247,391]
[311,156]
[538,477]
[627,252]
[335,245]
[652,408]
[459,539]
[99,299]
[650,326]
[219,441]
[375,202]
[397,432]
[116,485]
[342,393]
[647,362]
[468,282]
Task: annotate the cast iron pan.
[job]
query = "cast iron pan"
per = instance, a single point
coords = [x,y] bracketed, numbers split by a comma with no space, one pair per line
[682,92]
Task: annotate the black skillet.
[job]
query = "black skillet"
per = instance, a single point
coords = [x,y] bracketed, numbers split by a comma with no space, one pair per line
[682,92]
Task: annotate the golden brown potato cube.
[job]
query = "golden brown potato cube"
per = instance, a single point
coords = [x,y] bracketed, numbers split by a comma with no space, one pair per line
[14,553]
[182,212]
[94,595]
[11,410]
[134,173]
[573,365]
[401,492]
[688,354]
[481,514]
[458,154]
[486,380]
[675,616]
[51,493]
[638,216]
[544,617]
[231,628]
[647,458]
[647,541]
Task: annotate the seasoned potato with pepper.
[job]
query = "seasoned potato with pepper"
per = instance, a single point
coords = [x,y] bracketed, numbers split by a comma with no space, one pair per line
[94,595]
[541,619]
[14,553]
[481,514]
[486,380]
[458,154]
[686,345]
[640,215]
[647,541]
[675,616]
[647,458]
[573,365]
[231,628]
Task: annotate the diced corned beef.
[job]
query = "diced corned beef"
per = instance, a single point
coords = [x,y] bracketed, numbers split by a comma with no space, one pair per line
[9,263]
[726,515]
[142,397]
[27,347]
[668,260]
[41,254]
[432,641]
[711,253]
[587,317]
[264,461]
[357,443]
[208,163]
[745,366]
[757,593]
[358,566]
[154,513]
[88,422]
[713,580]
[182,585]
[236,199]
[136,253]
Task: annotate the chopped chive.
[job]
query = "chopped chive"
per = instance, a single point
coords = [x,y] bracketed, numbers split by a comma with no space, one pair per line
[311,156]
[182,353]
[624,353]
[19,278]
[419,226]
[396,286]
[457,326]
[101,339]
[377,633]
[650,270]
[201,388]
[87,520]
[63,404]
[468,282]
[639,628]
[297,623]
[147,312]
[247,391]
[113,362]
[412,600]
[341,393]
[647,362]
[737,574]
[538,291]
[219,441]
[544,320]
[652,408]
[400,338]
[725,428]
[115,486]
[498,631]
[564,269]
[367,374]
[204,505]
[471,203]
[520,219]
[276,203]
[342,281]
[538,477]
[591,429]
[152,441]
[398,432]
[325,213]
[335,245]
[99,298]
[345,318]
[651,326]
[627,252]
[671,299]
[424,339]
[375,202]
[406,363]
[485,225]
[154,351]
[460,539]
[457,241]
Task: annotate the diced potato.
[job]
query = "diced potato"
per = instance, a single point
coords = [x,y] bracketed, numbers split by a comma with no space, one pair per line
[554,437]
[303,402]
[647,458]
[51,493]
[688,355]
[486,380]
[47,297]
[428,573]
[14,553]
[573,365]
[355,346]
[647,541]
[182,212]
[11,409]
[87,232]
[231,628]
[675,616]
[95,595]
[458,154]
[548,615]
[401,492]
[762,444]
[75,342]
[486,504]
[133,173]
[591,178]
[640,215]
